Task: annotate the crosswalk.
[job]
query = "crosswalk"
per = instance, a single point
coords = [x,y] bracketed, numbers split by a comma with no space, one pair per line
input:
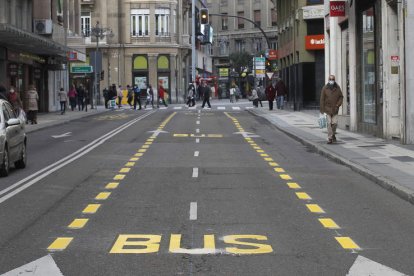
[213,107]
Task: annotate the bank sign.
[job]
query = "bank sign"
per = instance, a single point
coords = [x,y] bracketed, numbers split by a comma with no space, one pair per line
[337,8]
[315,42]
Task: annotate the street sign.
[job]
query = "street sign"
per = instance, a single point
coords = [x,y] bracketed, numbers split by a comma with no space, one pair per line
[337,8]
[83,69]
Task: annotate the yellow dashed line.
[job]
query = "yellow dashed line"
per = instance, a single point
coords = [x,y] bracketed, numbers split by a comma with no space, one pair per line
[119,177]
[78,223]
[279,170]
[60,244]
[268,159]
[347,243]
[293,185]
[328,223]
[124,170]
[103,196]
[142,150]
[91,209]
[302,195]
[285,177]
[145,146]
[180,135]
[215,135]
[251,142]
[130,164]
[264,155]
[273,164]
[260,151]
[112,185]
[134,159]
[315,208]
[148,143]
[138,154]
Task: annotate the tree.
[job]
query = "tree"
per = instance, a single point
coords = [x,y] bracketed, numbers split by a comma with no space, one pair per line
[240,61]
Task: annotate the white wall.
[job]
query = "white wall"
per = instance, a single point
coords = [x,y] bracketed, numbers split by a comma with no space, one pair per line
[409,74]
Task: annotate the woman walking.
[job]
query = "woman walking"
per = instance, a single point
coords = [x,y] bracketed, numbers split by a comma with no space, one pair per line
[72,97]
[63,98]
[32,106]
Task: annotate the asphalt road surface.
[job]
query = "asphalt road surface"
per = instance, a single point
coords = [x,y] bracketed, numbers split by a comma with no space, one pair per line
[193,192]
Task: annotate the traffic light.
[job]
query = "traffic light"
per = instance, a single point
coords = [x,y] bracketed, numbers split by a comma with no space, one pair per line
[204,16]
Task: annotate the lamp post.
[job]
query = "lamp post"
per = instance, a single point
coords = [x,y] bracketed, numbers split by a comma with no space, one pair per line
[99,33]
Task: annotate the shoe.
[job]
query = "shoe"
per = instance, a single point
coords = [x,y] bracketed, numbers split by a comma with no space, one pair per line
[333,138]
[329,141]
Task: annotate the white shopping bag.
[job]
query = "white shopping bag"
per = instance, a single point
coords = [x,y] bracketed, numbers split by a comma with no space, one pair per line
[322,120]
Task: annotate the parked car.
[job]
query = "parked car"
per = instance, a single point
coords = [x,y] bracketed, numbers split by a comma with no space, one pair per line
[12,139]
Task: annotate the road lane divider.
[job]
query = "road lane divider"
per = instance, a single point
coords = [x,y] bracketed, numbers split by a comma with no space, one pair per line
[327,223]
[61,243]
[193,211]
[195,172]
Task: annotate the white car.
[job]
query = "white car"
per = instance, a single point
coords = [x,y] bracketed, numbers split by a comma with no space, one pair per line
[12,139]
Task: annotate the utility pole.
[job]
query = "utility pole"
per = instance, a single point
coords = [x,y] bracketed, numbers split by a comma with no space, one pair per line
[193,41]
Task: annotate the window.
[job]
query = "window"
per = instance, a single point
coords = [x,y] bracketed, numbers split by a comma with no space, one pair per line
[257,45]
[224,22]
[224,48]
[140,22]
[240,46]
[257,18]
[162,22]
[86,24]
[273,16]
[240,21]
[223,3]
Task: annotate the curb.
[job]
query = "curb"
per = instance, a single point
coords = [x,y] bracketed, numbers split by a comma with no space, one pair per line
[385,183]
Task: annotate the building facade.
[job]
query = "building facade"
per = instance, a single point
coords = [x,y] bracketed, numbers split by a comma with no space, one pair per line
[301,50]
[33,47]
[236,35]
[148,44]
[366,50]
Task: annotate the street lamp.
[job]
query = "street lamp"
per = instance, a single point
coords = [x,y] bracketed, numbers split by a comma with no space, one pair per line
[99,33]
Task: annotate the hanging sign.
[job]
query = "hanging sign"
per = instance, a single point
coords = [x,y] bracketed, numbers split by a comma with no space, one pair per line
[337,8]
[315,42]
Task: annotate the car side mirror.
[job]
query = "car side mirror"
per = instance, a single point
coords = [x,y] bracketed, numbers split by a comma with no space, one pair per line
[13,122]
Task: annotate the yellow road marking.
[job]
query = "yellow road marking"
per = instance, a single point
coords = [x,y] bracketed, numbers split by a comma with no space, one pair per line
[251,142]
[130,164]
[91,209]
[268,159]
[347,243]
[264,155]
[112,185]
[315,208]
[142,150]
[328,223]
[60,244]
[180,135]
[303,196]
[279,170]
[134,159]
[215,135]
[124,170]
[148,143]
[119,177]
[285,177]
[138,154]
[198,135]
[256,147]
[150,140]
[248,139]
[293,185]
[145,146]
[78,223]
[273,164]
[103,196]
[260,151]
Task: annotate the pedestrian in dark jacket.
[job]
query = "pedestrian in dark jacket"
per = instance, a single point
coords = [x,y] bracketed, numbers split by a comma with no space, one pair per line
[281,93]
[14,98]
[205,91]
[271,94]
[137,97]
[331,100]
[81,98]
[72,97]
[130,95]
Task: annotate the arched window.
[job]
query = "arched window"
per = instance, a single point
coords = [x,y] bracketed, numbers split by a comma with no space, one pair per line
[163,63]
[140,63]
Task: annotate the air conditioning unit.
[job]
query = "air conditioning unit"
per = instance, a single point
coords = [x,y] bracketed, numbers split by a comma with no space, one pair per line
[43,26]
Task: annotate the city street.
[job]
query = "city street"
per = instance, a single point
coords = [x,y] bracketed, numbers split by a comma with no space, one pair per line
[194,192]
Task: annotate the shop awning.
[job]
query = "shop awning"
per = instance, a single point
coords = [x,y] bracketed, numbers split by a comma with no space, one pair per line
[20,40]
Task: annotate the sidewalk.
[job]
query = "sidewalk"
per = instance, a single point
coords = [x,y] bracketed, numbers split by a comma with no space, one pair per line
[388,164]
[45,120]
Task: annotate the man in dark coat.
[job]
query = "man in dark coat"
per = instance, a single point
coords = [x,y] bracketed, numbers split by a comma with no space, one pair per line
[331,100]
[205,91]
[271,94]
[281,93]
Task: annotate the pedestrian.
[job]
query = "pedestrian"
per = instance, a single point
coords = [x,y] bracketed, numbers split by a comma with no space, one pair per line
[32,104]
[150,97]
[72,94]
[87,99]
[161,95]
[130,95]
[120,95]
[237,93]
[259,91]
[14,98]
[191,95]
[106,96]
[281,93]
[137,97]
[63,98]
[81,97]
[331,100]
[205,91]
[3,93]
[232,93]
[254,98]
[271,94]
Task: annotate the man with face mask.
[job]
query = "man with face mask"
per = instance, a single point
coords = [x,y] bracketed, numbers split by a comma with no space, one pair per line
[331,100]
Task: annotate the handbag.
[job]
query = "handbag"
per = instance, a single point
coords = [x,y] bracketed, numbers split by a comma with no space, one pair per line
[322,120]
